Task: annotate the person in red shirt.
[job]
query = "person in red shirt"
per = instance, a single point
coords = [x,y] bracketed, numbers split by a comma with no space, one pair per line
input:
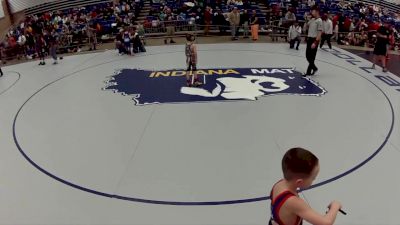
[207,20]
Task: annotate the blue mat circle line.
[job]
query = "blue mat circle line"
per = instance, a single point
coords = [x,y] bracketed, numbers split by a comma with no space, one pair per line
[200,203]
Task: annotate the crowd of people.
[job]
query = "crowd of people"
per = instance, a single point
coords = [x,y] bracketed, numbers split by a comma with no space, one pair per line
[352,23]
[52,33]
[66,31]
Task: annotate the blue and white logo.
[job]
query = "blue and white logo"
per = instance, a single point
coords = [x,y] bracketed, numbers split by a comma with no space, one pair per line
[155,87]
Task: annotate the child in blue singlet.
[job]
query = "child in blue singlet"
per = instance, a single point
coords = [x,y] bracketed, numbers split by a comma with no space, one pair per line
[300,168]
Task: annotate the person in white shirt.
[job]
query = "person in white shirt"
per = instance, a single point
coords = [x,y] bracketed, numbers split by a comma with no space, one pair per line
[295,35]
[290,16]
[327,31]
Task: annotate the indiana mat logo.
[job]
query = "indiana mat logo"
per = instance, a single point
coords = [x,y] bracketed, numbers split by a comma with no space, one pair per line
[155,87]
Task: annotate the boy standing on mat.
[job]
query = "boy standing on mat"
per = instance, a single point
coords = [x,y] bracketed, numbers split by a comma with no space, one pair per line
[300,168]
[191,62]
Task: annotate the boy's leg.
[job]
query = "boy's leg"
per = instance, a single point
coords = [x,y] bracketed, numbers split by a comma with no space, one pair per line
[292,43]
[197,81]
[328,40]
[298,40]
[188,71]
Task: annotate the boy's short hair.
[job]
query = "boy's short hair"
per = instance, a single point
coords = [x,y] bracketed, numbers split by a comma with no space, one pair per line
[189,37]
[298,163]
[315,7]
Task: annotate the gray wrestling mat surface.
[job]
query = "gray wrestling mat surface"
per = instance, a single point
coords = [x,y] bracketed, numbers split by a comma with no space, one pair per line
[107,139]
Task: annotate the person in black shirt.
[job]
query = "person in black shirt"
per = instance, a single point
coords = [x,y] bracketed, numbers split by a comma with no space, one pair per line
[380,49]
[30,44]
[340,24]
[244,22]
[41,48]
[221,22]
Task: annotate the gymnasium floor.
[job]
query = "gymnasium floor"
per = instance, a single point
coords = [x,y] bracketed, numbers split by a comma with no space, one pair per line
[108,139]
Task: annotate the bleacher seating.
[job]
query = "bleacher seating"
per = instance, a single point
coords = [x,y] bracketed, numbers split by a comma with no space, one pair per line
[62,5]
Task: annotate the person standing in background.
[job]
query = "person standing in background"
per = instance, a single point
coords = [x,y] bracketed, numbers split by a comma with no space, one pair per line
[254,23]
[53,42]
[169,23]
[234,20]
[380,49]
[244,22]
[313,38]
[41,48]
[295,35]
[207,20]
[327,31]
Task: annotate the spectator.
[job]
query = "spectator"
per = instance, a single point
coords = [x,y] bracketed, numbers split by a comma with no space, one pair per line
[290,17]
[30,45]
[363,39]
[254,25]
[21,45]
[119,42]
[41,48]
[92,37]
[327,31]
[268,14]
[362,25]
[341,27]
[169,23]
[221,22]
[295,35]
[127,41]
[207,20]
[234,20]
[53,43]
[294,3]
[380,49]
[244,22]
[137,42]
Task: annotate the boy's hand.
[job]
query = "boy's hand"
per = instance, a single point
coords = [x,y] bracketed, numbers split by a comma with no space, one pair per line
[335,205]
